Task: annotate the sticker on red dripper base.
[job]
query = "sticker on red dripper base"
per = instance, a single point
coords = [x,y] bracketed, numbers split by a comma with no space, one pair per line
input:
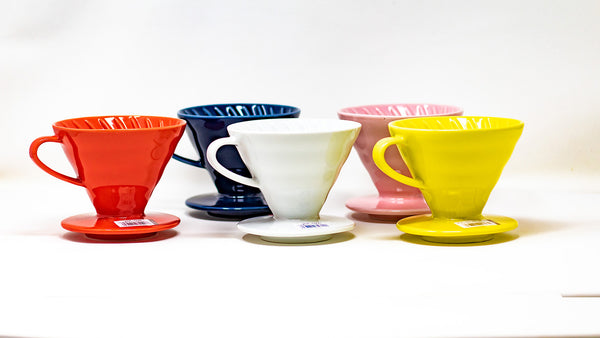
[135,223]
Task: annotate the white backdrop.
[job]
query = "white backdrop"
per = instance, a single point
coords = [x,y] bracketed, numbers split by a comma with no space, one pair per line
[538,61]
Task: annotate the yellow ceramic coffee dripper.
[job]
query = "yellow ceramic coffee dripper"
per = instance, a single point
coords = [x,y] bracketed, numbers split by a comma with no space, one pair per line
[456,162]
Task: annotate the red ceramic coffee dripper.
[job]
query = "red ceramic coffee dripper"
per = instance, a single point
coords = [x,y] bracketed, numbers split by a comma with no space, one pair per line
[119,160]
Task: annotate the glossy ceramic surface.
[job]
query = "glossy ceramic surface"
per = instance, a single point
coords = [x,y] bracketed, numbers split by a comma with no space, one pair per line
[229,206]
[395,199]
[294,161]
[455,161]
[118,159]
[295,231]
[442,230]
[388,208]
[208,123]
[129,228]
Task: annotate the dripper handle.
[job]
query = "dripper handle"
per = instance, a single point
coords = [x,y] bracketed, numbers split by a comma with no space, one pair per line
[211,156]
[379,159]
[33,149]
[196,163]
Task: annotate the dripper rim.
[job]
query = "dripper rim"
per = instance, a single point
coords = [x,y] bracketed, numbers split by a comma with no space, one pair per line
[178,123]
[456,110]
[516,124]
[183,114]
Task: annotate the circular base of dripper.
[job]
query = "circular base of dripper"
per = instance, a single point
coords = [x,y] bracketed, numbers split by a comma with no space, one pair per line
[456,231]
[226,206]
[296,231]
[458,239]
[388,208]
[120,228]
[120,237]
[296,240]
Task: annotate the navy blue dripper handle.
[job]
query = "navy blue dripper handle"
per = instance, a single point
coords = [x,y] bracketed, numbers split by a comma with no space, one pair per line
[200,163]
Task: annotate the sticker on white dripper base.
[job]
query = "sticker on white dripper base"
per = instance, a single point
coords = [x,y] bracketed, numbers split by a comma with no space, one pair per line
[476,223]
[135,223]
[313,225]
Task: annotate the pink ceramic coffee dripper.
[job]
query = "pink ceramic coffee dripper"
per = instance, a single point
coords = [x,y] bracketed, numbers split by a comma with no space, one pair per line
[395,200]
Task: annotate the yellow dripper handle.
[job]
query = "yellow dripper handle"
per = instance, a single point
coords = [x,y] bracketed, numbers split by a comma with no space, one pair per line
[379,159]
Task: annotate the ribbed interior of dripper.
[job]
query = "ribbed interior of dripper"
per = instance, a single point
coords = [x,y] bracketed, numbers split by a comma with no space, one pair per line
[239,110]
[293,126]
[406,110]
[457,123]
[118,122]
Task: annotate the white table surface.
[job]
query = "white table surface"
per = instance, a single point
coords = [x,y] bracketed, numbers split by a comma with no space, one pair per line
[205,278]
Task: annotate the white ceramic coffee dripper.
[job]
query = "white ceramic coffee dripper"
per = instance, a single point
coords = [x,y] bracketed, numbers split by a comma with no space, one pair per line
[294,162]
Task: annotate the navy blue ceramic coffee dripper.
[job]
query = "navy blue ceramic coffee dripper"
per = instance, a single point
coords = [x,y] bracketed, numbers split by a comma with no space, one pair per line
[208,123]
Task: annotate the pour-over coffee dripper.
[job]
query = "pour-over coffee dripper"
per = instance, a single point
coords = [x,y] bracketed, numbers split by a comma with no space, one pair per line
[119,160]
[455,162]
[208,123]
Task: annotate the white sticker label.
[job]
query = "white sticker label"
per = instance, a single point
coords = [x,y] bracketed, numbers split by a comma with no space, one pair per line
[478,223]
[313,225]
[134,223]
